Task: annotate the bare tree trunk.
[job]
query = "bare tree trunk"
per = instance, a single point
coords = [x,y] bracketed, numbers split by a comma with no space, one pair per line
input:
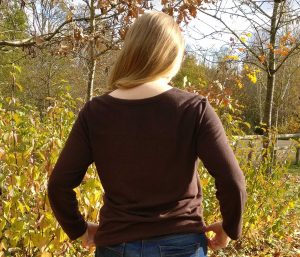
[269,99]
[271,69]
[277,117]
[260,107]
[269,142]
[92,59]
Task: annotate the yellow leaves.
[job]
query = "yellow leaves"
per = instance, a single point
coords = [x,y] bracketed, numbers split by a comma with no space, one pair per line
[62,235]
[291,204]
[239,84]
[204,182]
[16,68]
[9,137]
[247,124]
[251,73]
[246,67]
[19,86]
[231,57]
[86,200]
[252,77]
[39,241]
[243,39]
[77,191]
[26,217]
[2,154]
[46,254]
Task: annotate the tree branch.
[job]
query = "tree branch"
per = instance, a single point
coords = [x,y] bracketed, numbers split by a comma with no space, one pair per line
[31,41]
[233,32]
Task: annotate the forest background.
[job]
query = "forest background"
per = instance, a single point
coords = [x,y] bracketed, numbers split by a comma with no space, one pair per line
[244,55]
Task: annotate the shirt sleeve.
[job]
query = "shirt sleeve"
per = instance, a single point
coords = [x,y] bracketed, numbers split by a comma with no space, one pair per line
[218,158]
[67,174]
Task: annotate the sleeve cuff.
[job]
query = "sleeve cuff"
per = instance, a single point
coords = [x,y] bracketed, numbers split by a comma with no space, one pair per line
[80,232]
[232,236]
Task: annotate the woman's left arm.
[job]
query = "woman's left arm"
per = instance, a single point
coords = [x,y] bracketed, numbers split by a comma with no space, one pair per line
[68,173]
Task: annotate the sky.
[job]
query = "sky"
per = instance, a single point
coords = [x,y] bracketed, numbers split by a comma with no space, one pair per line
[197,31]
[191,32]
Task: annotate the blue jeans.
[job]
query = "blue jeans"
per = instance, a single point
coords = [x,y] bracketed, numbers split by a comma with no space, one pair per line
[176,245]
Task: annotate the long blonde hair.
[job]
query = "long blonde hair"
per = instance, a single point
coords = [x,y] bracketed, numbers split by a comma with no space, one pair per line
[151,49]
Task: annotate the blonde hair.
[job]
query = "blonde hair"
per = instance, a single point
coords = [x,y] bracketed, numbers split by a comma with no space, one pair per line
[151,50]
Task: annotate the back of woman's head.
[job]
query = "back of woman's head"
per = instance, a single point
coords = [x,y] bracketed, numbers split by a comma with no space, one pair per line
[153,45]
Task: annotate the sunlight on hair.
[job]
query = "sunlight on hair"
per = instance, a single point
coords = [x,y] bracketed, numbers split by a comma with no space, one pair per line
[153,48]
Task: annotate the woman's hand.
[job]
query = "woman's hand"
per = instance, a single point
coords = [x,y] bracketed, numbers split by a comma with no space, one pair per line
[87,238]
[220,240]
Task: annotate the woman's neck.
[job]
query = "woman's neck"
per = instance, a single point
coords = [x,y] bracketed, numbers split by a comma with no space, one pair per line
[145,90]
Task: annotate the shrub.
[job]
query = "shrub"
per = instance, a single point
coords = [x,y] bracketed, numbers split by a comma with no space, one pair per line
[30,144]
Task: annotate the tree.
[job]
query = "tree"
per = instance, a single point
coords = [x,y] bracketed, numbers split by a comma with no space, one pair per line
[83,30]
[275,25]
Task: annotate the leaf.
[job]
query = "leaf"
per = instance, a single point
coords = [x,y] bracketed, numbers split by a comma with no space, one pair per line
[62,235]
[21,208]
[243,39]
[46,254]
[19,87]
[262,58]
[2,152]
[247,124]
[291,204]
[184,81]
[16,67]
[242,49]
[231,57]
[2,224]
[39,40]
[252,77]
[69,16]
[239,84]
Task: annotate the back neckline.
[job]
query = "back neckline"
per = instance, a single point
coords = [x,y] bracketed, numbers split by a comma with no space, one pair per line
[140,100]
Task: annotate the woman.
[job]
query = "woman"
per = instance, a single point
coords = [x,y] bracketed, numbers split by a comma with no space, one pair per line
[146,139]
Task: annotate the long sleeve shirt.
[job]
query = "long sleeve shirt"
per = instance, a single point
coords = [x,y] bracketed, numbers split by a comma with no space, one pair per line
[146,152]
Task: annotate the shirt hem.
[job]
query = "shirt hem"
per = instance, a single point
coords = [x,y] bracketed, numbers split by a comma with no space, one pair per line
[150,235]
